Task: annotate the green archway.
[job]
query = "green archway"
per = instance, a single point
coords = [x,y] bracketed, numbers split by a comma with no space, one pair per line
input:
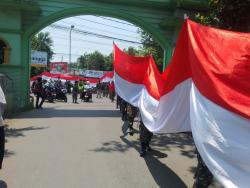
[159,36]
[26,17]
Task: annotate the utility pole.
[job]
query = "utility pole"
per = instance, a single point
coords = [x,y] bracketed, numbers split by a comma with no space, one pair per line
[71,28]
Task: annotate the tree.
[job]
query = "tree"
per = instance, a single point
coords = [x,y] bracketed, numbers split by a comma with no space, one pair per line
[82,61]
[43,42]
[95,61]
[108,65]
[131,51]
[227,14]
[150,46]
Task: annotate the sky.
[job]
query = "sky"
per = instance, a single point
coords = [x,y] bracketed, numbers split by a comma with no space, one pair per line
[86,43]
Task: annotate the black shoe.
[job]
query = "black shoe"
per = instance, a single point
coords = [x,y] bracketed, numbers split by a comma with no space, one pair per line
[148,147]
[143,149]
[131,131]
[142,153]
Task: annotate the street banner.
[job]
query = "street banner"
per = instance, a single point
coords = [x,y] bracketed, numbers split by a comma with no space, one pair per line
[38,59]
[91,73]
[58,67]
[205,90]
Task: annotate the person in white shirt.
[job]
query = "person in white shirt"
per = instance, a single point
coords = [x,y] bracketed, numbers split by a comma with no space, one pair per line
[2,133]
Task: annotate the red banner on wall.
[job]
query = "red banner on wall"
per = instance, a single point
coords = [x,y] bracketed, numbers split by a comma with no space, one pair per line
[58,67]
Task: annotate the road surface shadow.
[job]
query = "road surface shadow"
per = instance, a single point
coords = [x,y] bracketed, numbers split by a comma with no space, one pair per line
[14,133]
[112,146]
[8,153]
[3,184]
[163,176]
[52,112]
[183,141]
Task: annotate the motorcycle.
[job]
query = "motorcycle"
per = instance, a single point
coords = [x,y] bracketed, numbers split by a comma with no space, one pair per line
[49,94]
[87,95]
[61,94]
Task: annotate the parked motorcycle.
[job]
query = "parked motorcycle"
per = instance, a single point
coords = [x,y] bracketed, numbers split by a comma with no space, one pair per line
[87,95]
[49,94]
[61,94]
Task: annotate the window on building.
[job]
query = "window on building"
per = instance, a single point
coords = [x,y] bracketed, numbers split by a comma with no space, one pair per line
[4,52]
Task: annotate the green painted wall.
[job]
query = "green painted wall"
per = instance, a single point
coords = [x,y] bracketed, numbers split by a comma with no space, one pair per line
[20,19]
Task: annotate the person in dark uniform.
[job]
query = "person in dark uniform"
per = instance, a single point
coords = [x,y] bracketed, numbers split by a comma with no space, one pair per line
[99,90]
[203,177]
[145,138]
[118,102]
[131,113]
[124,110]
[75,92]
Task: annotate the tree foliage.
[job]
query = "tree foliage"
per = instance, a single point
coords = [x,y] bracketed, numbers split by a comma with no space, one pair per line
[43,42]
[95,61]
[151,47]
[227,14]
[131,51]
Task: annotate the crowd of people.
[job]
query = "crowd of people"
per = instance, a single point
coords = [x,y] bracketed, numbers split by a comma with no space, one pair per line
[56,90]
[106,89]
[203,177]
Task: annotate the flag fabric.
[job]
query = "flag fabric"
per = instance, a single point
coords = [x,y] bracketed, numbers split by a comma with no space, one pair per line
[205,89]
[107,77]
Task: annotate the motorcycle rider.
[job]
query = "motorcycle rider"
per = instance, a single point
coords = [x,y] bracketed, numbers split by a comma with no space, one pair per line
[87,92]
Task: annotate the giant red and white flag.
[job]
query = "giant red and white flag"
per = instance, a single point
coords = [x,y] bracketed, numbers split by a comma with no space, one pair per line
[205,89]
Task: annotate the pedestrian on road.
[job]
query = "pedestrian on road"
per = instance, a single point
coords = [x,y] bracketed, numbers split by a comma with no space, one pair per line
[112,91]
[75,92]
[39,91]
[99,90]
[131,113]
[145,138]
[2,133]
[118,102]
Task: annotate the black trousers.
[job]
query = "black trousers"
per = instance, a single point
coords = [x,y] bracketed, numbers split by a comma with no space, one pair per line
[74,97]
[38,96]
[2,145]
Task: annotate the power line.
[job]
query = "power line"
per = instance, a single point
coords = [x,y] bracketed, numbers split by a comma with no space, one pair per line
[116,21]
[86,48]
[60,53]
[93,34]
[101,30]
[106,25]
[88,41]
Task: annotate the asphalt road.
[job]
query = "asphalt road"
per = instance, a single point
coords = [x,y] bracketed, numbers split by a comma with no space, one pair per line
[68,145]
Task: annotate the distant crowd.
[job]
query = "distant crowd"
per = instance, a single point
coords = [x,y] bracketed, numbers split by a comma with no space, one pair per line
[52,90]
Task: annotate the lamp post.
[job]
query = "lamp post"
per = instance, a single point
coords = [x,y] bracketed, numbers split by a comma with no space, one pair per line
[71,27]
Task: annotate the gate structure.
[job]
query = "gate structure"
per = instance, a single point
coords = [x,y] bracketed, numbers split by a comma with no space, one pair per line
[20,19]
